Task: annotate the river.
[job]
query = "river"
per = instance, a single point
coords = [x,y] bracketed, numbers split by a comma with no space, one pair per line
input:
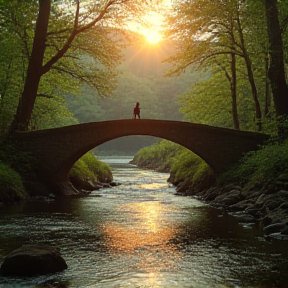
[139,234]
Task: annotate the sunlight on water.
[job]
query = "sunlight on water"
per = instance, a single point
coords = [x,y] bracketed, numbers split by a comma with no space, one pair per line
[141,235]
[151,186]
[146,235]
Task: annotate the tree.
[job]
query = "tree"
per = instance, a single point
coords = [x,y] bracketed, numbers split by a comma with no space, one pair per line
[208,30]
[14,47]
[232,79]
[276,70]
[34,71]
[100,16]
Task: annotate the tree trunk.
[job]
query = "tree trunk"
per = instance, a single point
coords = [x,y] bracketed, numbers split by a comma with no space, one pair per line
[232,79]
[276,71]
[267,90]
[233,86]
[26,102]
[258,113]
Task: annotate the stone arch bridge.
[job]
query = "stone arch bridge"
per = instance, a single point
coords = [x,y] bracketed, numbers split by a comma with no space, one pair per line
[56,150]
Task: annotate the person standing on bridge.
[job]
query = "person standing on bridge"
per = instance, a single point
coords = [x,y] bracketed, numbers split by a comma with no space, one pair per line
[136,111]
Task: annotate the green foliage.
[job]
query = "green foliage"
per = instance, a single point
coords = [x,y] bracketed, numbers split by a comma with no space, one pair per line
[11,186]
[15,44]
[205,104]
[263,165]
[89,167]
[215,29]
[51,113]
[187,165]
[22,162]
[158,156]
[182,164]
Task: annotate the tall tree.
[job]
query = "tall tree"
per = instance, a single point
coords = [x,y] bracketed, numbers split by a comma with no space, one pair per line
[206,30]
[276,70]
[15,28]
[101,14]
[34,72]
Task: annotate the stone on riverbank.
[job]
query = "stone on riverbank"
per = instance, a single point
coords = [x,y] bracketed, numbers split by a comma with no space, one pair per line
[267,205]
[232,197]
[30,260]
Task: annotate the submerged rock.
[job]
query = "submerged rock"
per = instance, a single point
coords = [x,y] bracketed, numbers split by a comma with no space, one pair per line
[30,260]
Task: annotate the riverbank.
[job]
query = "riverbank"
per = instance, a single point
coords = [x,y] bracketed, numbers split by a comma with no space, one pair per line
[87,174]
[260,204]
[255,190]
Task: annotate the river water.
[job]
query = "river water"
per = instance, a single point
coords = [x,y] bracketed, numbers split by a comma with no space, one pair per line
[139,234]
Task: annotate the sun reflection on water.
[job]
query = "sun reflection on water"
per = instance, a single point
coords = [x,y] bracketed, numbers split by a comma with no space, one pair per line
[145,237]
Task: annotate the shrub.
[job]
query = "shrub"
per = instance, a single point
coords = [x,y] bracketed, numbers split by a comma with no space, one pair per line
[188,166]
[11,186]
[158,156]
[89,167]
[263,165]
[182,164]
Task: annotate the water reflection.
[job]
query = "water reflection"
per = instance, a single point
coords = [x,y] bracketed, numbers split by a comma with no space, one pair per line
[139,234]
[147,235]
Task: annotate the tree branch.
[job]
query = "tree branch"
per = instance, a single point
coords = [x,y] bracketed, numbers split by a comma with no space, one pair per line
[45,96]
[73,34]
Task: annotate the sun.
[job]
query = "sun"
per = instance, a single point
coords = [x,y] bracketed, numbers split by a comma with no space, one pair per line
[152,36]
[150,26]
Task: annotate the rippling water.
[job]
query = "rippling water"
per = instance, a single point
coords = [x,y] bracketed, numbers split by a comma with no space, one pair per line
[139,234]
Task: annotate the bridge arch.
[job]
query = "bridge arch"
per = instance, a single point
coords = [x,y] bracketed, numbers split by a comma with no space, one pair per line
[56,150]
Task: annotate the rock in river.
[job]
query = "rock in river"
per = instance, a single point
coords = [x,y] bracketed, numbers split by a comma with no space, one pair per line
[30,260]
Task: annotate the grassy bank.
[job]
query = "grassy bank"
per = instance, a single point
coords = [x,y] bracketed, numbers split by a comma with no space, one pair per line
[12,185]
[264,165]
[191,174]
[90,168]
[158,156]
[187,170]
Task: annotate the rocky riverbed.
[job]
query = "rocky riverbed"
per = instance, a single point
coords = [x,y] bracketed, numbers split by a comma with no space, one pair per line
[265,204]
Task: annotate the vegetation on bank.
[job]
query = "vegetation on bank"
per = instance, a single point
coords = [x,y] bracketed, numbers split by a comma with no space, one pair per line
[89,167]
[186,168]
[192,174]
[264,165]
[12,185]
[158,156]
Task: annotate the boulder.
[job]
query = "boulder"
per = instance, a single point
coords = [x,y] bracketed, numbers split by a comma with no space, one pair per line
[30,260]
[182,187]
[211,196]
[284,231]
[66,189]
[230,198]
[243,217]
[278,215]
[114,184]
[273,228]
[241,206]
[81,184]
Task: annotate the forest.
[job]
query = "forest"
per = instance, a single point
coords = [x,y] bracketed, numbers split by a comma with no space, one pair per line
[221,63]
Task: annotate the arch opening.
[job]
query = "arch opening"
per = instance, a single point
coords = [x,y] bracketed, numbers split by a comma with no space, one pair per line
[166,148]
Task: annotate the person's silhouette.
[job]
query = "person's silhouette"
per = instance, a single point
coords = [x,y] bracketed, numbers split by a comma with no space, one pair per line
[136,111]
